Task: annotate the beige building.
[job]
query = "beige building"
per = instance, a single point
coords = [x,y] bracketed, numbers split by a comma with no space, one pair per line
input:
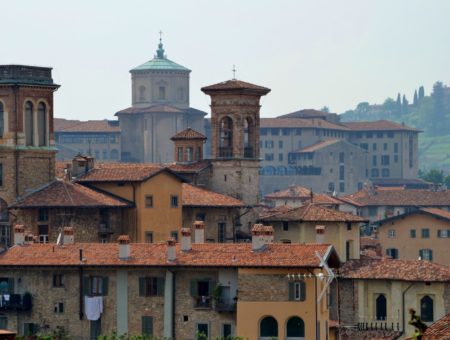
[422,233]
[257,291]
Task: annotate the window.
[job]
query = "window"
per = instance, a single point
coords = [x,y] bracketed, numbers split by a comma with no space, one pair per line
[385,172]
[268,328]
[426,309]
[369,134]
[189,154]
[395,147]
[269,144]
[298,132]
[58,280]
[295,328]
[297,291]
[374,172]
[43,233]
[381,307]
[162,93]
[226,330]
[374,146]
[341,187]
[341,172]
[42,215]
[373,211]
[385,160]
[263,132]
[412,233]
[42,124]
[268,157]
[331,186]
[341,157]
[285,226]
[29,124]
[174,201]
[390,135]
[280,144]
[2,120]
[364,146]
[141,93]
[425,233]
[443,233]
[275,132]
[391,233]
[374,160]
[151,286]
[221,232]
[348,250]
[148,237]
[201,292]
[385,146]
[58,307]
[147,325]
[392,252]
[200,217]
[280,157]
[174,235]
[149,201]
[395,158]
[379,134]
[30,329]
[285,132]
[202,331]
[426,254]
[349,225]
[3,322]
[95,285]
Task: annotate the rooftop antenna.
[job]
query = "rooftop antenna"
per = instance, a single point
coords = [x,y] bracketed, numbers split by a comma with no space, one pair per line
[329,277]
[234,72]
[59,239]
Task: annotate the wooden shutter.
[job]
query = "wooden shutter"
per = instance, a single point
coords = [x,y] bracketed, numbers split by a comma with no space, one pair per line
[147,325]
[421,254]
[105,285]
[194,288]
[291,289]
[86,285]
[160,286]
[142,282]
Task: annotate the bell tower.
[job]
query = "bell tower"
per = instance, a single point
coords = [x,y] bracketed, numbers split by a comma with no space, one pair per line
[235,107]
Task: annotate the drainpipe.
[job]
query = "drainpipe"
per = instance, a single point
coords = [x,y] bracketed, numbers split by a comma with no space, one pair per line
[80,273]
[403,307]
[136,214]
[315,301]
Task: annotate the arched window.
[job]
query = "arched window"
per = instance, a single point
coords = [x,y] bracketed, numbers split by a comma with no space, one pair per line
[248,138]
[142,93]
[268,328]
[42,124]
[295,329]
[381,307]
[29,124]
[226,138]
[426,309]
[2,120]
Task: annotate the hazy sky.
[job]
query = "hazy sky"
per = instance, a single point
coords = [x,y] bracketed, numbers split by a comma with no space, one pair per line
[310,53]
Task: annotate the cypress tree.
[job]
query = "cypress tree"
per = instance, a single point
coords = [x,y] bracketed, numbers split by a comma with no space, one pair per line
[421,92]
[415,99]
[405,104]
[398,104]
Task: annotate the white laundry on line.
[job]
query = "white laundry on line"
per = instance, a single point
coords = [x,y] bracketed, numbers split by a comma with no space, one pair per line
[93,307]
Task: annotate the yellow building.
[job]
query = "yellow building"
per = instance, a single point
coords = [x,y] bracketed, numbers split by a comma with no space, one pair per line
[155,190]
[421,233]
[312,223]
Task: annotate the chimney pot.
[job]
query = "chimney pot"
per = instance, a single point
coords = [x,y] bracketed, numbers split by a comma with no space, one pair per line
[199,232]
[68,235]
[257,237]
[124,247]
[185,239]
[19,234]
[29,238]
[320,234]
[171,251]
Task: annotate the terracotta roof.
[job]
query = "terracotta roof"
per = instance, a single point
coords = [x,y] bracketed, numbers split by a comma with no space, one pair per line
[369,242]
[300,123]
[378,125]
[188,168]
[160,108]
[310,213]
[155,254]
[439,213]
[122,172]
[305,113]
[302,194]
[197,197]
[188,134]
[65,125]
[390,269]
[439,330]
[407,197]
[320,145]
[235,84]
[66,194]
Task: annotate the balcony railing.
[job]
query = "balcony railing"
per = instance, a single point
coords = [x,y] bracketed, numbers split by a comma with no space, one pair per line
[223,306]
[202,302]
[16,302]
[225,152]
[378,325]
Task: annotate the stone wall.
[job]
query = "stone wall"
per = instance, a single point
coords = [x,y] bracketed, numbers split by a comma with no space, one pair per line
[348,303]
[263,287]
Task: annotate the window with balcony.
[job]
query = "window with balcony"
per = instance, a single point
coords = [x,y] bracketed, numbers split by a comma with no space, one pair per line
[151,286]
[201,290]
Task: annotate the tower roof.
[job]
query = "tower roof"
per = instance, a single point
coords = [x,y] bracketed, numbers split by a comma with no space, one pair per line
[160,62]
[188,134]
[235,85]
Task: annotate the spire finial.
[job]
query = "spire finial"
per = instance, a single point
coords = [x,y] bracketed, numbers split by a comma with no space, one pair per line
[234,72]
[160,50]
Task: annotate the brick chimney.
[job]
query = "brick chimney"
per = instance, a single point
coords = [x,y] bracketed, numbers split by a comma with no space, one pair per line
[29,238]
[268,234]
[185,239]
[19,234]
[199,232]
[171,251]
[320,234]
[257,237]
[81,165]
[124,247]
[68,235]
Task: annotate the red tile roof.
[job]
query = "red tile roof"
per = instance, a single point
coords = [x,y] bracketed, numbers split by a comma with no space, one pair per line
[378,125]
[303,194]
[440,330]
[320,145]
[65,125]
[309,213]
[188,134]
[188,168]
[155,254]
[401,197]
[235,84]
[390,269]
[66,194]
[437,212]
[306,113]
[161,108]
[300,123]
[197,197]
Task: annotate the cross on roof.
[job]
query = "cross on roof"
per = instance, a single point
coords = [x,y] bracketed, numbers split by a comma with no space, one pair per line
[160,35]
[234,72]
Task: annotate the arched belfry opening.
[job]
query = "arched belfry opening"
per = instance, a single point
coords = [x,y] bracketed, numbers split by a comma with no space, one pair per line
[249,138]
[226,138]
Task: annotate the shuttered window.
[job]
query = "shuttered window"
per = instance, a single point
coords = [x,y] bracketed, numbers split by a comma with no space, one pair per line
[151,286]
[95,285]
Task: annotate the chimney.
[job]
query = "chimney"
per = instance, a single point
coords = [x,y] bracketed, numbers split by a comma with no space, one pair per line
[124,247]
[29,238]
[68,235]
[268,234]
[199,232]
[257,237]
[19,234]
[185,239]
[171,252]
[320,234]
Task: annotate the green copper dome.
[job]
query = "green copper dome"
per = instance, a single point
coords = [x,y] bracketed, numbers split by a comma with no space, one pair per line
[160,62]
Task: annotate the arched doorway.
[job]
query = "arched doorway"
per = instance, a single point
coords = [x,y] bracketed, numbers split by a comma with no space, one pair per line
[295,329]
[268,328]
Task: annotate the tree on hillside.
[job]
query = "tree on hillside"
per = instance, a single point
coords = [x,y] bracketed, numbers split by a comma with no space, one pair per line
[434,176]
[438,111]
[415,99]
[389,105]
[399,104]
[405,104]
[421,92]
[325,109]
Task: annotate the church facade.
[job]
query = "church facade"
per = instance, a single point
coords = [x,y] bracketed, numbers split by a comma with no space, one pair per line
[160,108]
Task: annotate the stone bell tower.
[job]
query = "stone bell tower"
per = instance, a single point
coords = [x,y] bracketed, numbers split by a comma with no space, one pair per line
[235,109]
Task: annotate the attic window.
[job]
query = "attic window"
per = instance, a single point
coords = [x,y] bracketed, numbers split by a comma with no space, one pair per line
[161,93]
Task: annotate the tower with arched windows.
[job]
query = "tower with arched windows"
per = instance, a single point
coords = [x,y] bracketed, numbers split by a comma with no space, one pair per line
[235,107]
[27,152]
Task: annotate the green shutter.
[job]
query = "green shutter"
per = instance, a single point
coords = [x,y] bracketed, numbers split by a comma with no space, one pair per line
[86,285]
[142,286]
[211,286]
[160,286]
[147,325]
[194,288]
[421,254]
[104,285]
[291,290]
